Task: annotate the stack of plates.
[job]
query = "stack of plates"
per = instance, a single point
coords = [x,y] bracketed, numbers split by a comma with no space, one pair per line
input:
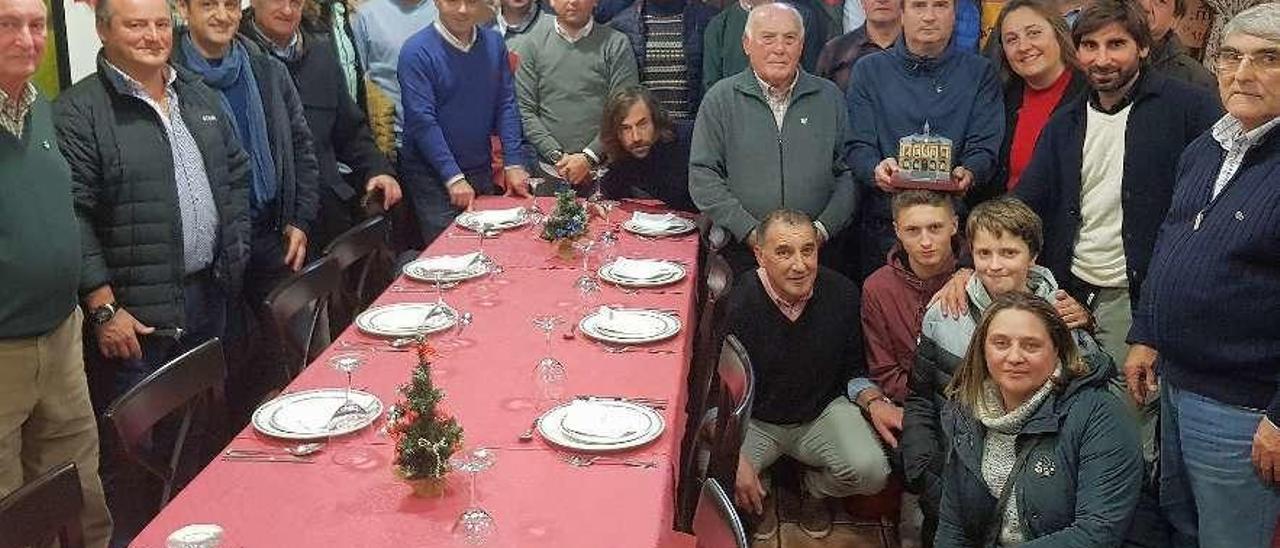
[641,272]
[497,219]
[629,325]
[597,425]
[306,415]
[658,224]
[406,319]
[449,268]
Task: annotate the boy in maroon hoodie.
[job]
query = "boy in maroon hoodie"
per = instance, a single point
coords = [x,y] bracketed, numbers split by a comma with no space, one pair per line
[894,299]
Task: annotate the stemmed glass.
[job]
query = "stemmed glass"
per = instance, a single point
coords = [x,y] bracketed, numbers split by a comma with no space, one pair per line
[533,212]
[475,524]
[585,283]
[607,241]
[347,362]
[549,374]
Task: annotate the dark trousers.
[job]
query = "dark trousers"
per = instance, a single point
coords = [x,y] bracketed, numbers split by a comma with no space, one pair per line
[205,313]
[255,350]
[430,198]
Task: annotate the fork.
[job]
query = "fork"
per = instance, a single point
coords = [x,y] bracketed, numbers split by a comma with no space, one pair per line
[582,461]
[626,348]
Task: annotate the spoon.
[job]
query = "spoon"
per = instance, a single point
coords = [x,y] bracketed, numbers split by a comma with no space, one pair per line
[527,435]
[300,450]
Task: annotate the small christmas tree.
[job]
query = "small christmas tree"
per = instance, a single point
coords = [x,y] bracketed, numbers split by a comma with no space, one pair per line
[567,221]
[425,435]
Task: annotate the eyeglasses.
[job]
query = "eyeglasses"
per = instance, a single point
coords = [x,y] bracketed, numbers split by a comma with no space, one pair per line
[1229,60]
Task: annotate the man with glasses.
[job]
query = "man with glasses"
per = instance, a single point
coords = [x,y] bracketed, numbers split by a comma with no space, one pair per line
[1206,322]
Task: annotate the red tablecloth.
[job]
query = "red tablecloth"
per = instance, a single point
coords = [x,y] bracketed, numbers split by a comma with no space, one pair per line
[349,496]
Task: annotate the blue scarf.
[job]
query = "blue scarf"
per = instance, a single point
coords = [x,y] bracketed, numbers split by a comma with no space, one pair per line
[233,77]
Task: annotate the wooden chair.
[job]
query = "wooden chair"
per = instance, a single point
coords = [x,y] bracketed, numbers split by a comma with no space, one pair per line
[717,524]
[737,391]
[182,385]
[300,303]
[359,253]
[44,509]
[707,339]
[723,433]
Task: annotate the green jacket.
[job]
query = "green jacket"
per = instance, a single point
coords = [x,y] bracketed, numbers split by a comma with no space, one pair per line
[742,166]
[1078,486]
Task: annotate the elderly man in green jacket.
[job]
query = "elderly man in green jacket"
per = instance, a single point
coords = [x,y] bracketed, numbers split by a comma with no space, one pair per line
[737,174]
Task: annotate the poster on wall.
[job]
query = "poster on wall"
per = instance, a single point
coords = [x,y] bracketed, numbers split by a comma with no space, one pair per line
[52,76]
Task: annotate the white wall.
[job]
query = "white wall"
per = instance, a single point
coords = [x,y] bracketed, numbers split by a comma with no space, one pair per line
[82,39]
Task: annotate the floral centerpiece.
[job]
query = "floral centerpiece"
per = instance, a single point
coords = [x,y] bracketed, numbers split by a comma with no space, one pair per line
[424,433]
[567,222]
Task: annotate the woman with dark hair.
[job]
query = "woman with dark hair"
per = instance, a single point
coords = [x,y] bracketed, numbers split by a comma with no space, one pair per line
[1040,452]
[648,153]
[1036,60]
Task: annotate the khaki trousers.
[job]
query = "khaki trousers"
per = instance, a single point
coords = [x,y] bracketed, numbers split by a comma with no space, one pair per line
[46,418]
[840,444]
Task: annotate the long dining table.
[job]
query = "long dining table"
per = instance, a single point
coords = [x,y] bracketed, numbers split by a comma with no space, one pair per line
[349,496]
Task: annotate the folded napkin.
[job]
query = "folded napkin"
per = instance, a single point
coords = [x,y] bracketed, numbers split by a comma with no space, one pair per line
[497,216]
[448,263]
[641,269]
[601,420]
[656,221]
[627,322]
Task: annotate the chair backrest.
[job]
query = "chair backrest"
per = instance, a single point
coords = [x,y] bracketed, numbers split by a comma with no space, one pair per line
[44,509]
[299,303]
[178,386]
[719,277]
[358,252]
[714,236]
[358,242]
[737,390]
[716,524]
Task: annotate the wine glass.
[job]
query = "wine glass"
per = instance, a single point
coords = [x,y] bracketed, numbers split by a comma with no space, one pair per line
[585,283]
[475,524]
[608,242]
[549,375]
[347,362]
[532,211]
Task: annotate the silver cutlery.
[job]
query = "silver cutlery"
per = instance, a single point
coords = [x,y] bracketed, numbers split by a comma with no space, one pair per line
[583,461]
[238,457]
[300,450]
[527,435]
[611,349]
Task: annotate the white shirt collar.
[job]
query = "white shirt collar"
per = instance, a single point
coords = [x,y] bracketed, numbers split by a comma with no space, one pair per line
[454,41]
[1230,132]
[571,38]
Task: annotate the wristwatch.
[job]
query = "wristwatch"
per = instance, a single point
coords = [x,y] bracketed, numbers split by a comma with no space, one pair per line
[103,314]
[882,398]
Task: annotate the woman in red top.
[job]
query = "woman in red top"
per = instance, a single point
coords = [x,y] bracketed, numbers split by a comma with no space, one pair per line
[1040,73]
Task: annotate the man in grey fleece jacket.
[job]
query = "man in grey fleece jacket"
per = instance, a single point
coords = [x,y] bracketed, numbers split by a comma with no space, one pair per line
[737,173]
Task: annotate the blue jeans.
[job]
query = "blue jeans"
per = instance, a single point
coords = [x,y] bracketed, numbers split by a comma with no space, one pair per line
[1209,489]
[431,205]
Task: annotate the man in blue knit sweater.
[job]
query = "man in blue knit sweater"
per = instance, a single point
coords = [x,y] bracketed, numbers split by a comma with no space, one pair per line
[1206,321]
[456,85]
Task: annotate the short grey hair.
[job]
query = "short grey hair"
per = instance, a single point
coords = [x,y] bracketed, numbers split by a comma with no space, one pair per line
[757,12]
[102,12]
[1262,21]
[791,217]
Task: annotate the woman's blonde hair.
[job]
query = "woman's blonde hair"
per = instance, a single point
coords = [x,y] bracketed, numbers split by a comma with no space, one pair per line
[966,387]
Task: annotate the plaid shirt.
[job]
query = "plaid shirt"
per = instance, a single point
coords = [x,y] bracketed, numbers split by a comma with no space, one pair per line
[13,112]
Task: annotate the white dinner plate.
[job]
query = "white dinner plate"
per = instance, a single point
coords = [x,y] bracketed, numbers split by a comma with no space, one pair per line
[305,415]
[498,219]
[406,319]
[450,268]
[630,326]
[664,272]
[676,226]
[644,424]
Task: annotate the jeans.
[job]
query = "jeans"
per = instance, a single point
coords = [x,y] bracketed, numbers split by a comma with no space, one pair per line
[1209,489]
[431,205]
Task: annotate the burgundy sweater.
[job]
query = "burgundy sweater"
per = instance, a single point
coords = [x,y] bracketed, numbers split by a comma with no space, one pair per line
[894,300]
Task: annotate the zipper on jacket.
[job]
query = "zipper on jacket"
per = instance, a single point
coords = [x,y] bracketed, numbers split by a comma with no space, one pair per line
[782,172]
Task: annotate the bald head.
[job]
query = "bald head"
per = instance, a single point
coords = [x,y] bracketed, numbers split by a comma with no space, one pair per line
[773,41]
